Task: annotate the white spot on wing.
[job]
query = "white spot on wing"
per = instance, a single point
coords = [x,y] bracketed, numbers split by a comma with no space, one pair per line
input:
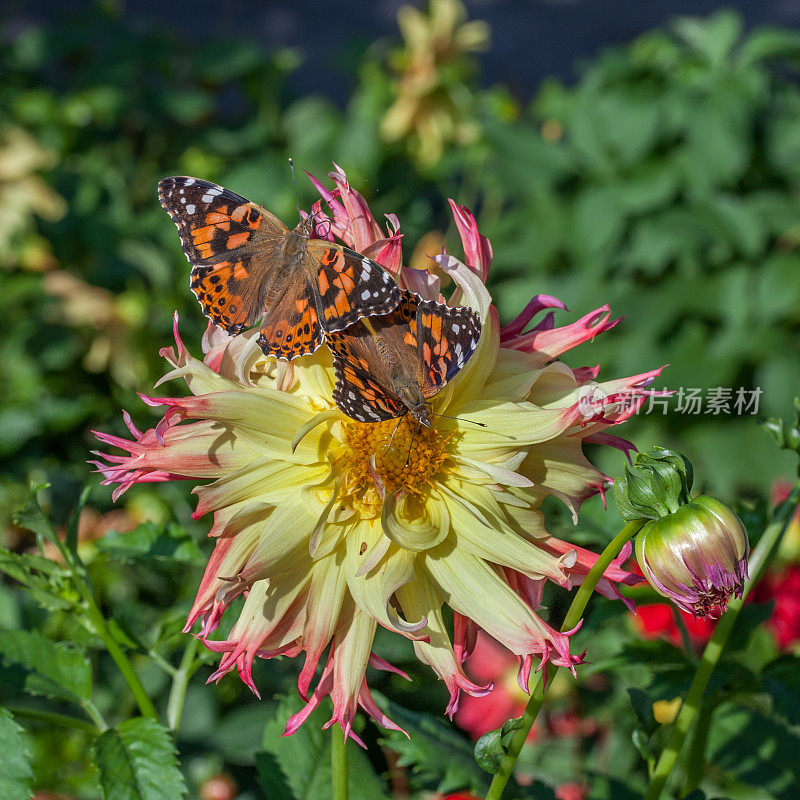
[190,208]
[365,295]
[190,181]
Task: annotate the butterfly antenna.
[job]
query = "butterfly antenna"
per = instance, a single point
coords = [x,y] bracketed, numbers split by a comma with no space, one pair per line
[294,183]
[459,419]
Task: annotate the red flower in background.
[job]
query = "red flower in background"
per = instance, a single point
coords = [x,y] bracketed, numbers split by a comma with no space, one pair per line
[571,791]
[658,619]
[459,796]
[490,662]
[782,587]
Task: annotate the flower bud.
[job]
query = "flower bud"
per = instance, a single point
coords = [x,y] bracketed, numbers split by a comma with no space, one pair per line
[693,552]
[695,556]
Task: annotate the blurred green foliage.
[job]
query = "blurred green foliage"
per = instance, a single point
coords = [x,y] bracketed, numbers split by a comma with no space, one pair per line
[666,181]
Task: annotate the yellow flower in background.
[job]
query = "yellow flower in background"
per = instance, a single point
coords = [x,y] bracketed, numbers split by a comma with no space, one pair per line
[112,319]
[432,105]
[23,196]
[329,528]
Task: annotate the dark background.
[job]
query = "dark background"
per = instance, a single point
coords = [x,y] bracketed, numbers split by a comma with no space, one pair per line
[531,39]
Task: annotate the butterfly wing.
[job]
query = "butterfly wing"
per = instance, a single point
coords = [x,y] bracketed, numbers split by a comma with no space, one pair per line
[363,372]
[349,286]
[227,240]
[445,338]
[290,328]
[361,397]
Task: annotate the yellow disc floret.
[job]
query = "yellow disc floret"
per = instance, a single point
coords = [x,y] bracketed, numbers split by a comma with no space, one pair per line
[390,456]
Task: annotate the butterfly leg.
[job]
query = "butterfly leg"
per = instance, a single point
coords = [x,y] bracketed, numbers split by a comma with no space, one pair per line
[411,443]
[391,438]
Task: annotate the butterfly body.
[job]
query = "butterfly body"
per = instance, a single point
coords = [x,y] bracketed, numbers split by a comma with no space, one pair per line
[248,268]
[390,366]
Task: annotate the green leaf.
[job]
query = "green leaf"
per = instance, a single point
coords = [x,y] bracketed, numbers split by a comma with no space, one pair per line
[32,517]
[152,541]
[598,221]
[137,761]
[642,705]
[641,741]
[439,757]
[715,37]
[781,679]
[299,766]
[749,618]
[489,751]
[16,775]
[770,43]
[605,787]
[272,778]
[47,582]
[52,669]
[755,749]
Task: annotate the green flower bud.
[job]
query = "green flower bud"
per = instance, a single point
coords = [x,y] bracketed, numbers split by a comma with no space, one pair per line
[693,552]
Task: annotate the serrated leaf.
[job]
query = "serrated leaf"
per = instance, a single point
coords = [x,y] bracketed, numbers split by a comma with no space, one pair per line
[32,517]
[271,777]
[16,775]
[438,756]
[137,761]
[302,762]
[152,541]
[52,669]
[47,582]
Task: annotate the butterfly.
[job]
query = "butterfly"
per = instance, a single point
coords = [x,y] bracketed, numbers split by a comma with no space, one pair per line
[390,366]
[248,267]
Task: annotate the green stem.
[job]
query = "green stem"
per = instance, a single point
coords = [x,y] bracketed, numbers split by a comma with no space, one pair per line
[695,763]
[180,683]
[538,691]
[716,645]
[61,720]
[146,707]
[162,662]
[338,763]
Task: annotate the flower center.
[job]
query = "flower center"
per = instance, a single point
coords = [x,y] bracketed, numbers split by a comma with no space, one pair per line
[395,455]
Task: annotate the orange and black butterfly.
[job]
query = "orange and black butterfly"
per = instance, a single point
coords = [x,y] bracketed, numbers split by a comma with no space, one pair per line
[248,267]
[390,366]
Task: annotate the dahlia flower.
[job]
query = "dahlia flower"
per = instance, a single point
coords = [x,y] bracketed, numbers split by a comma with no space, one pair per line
[328,532]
